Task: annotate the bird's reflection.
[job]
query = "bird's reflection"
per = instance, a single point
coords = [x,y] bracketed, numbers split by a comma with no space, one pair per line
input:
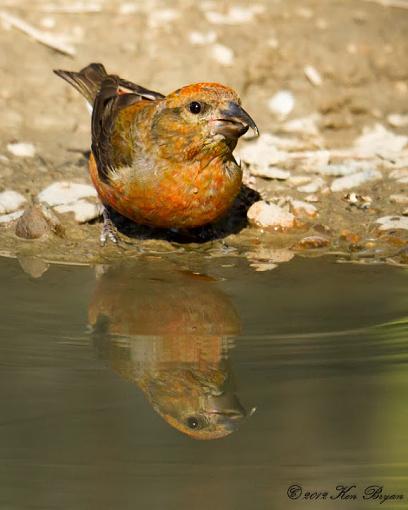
[169,331]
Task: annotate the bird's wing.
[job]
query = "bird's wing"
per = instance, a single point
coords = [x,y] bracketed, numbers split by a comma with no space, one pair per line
[114,96]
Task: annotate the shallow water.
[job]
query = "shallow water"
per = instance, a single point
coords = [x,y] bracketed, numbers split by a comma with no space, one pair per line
[98,367]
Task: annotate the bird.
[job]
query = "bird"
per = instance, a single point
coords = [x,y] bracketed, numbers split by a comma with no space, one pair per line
[179,362]
[162,161]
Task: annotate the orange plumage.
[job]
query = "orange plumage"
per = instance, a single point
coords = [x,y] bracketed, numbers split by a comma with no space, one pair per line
[163,161]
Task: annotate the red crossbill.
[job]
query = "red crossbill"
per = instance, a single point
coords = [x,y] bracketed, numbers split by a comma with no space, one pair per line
[162,161]
[170,340]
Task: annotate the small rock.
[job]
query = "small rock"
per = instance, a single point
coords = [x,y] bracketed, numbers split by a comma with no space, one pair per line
[10,201]
[297,180]
[312,198]
[351,167]
[405,212]
[399,199]
[36,221]
[48,22]
[271,172]
[161,17]
[65,192]
[263,266]
[354,180]
[299,207]
[360,201]
[265,215]
[379,141]
[21,149]
[311,243]
[314,161]
[222,54]
[235,15]
[306,126]
[202,39]
[313,75]
[7,218]
[127,8]
[282,103]
[316,185]
[397,120]
[261,153]
[83,210]
[393,222]
[33,266]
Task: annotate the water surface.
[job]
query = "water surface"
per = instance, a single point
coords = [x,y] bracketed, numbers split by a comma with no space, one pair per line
[100,370]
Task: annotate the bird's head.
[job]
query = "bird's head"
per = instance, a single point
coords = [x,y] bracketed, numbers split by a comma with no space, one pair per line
[199,402]
[198,118]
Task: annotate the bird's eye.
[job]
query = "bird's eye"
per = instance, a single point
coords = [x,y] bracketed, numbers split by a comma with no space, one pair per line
[193,422]
[195,107]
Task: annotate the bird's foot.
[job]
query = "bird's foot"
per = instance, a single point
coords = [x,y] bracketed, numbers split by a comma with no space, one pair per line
[109,231]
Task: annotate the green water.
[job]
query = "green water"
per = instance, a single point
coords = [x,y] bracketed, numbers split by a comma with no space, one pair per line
[91,362]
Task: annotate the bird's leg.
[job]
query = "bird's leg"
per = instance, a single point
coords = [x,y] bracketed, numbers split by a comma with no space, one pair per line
[108,229]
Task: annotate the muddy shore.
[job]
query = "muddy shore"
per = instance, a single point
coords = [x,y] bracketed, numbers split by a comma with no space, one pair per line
[326,81]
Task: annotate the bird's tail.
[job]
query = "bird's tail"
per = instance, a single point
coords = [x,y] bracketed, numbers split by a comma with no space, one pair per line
[87,82]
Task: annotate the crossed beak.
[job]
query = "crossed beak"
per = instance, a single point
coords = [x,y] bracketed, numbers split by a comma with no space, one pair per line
[234,122]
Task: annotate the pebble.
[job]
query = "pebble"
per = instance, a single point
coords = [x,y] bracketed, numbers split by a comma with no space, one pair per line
[316,185]
[128,8]
[83,210]
[161,17]
[262,152]
[299,207]
[270,172]
[312,198]
[7,218]
[378,140]
[10,201]
[351,167]
[65,192]
[21,149]
[282,103]
[393,222]
[35,222]
[314,161]
[306,126]
[201,38]
[313,75]
[354,180]
[264,215]
[222,54]
[397,120]
[312,243]
[297,180]
[235,15]
[361,201]
[399,199]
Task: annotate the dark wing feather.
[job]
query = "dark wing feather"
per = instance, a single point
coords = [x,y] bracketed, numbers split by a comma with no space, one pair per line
[108,94]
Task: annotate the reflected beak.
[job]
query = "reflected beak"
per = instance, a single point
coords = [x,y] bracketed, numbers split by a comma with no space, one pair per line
[234,122]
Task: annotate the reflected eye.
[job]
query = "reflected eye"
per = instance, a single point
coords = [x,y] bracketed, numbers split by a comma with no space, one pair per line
[195,107]
[194,423]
